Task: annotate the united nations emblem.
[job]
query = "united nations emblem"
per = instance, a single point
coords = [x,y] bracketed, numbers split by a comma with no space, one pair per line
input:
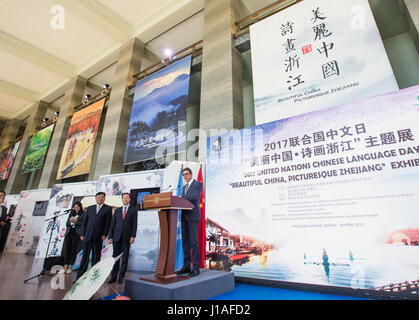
[216,146]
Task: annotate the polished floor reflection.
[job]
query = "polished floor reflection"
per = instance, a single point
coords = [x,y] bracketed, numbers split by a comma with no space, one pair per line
[16,268]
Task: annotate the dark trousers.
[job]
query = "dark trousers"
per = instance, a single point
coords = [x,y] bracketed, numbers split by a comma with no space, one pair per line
[90,246]
[118,248]
[190,242]
[71,244]
[4,231]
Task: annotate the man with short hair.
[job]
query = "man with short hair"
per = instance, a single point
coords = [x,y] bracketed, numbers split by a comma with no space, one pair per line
[3,212]
[4,220]
[122,235]
[94,229]
[190,223]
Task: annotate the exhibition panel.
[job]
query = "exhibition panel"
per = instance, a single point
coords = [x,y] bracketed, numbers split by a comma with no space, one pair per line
[172,149]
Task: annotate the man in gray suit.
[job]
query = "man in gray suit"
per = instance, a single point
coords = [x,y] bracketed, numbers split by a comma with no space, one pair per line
[190,222]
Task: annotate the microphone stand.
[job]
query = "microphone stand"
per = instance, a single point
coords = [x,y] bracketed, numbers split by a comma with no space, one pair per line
[171,190]
[42,273]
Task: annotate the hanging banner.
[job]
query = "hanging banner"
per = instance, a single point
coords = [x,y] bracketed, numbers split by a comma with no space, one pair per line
[38,149]
[157,125]
[317,54]
[326,198]
[80,143]
[7,158]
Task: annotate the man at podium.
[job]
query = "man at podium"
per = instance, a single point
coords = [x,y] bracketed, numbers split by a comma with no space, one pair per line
[190,222]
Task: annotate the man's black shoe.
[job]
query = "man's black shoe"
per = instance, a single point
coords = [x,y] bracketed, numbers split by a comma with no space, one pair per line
[113,280]
[184,270]
[121,281]
[194,273]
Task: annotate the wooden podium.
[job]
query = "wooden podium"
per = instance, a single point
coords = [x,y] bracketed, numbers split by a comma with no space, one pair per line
[168,206]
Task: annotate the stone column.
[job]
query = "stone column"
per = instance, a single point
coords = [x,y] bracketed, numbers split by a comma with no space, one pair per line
[2,125]
[16,181]
[73,96]
[221,90]
[192,119]
[112,146]
[410,9]
[10,131]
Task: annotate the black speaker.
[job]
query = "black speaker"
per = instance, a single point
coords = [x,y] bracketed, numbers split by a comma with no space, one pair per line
[50,262]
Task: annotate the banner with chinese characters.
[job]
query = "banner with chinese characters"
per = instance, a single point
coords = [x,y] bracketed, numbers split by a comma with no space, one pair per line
[157,124]
[27,222]
[81,137]
[7,157]
[326,198]
[317,54]
[61,199]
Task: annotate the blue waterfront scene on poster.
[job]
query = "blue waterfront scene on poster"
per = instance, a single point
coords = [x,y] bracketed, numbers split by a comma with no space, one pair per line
[325,198]
[158,115]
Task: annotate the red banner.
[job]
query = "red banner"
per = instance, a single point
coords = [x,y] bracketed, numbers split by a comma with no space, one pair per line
[202,237]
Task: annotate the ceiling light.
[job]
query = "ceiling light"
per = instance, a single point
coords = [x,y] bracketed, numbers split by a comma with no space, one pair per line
[168,53]
[106,88]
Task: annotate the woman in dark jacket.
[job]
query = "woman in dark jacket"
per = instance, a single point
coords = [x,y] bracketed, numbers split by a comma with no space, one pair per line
[72,236]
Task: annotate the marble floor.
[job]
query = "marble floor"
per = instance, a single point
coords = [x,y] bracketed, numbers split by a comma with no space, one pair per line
[16,268]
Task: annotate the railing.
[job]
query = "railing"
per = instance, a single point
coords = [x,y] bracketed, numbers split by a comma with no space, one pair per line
[408,286]
[244,24]
[197,48]
[194,49]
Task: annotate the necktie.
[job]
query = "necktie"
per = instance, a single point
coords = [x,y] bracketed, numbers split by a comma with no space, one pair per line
[186,188]
[98,209]
[124,213]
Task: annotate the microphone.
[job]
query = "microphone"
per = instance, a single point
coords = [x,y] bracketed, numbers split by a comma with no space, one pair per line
[168,188]
[176,187]
[68,210]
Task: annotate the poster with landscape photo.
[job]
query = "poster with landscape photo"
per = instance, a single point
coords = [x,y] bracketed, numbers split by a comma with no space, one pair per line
[38,149]
[80,143]
[337,208]
[7,157]
[158,116]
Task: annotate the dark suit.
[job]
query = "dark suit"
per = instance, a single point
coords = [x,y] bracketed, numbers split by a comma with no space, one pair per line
[77,226]
[72,239]
[94,226]
[190,224]
[121,231]
[3,214]
[4,230]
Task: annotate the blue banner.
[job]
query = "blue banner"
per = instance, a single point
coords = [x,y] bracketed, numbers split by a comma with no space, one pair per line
[179,247]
